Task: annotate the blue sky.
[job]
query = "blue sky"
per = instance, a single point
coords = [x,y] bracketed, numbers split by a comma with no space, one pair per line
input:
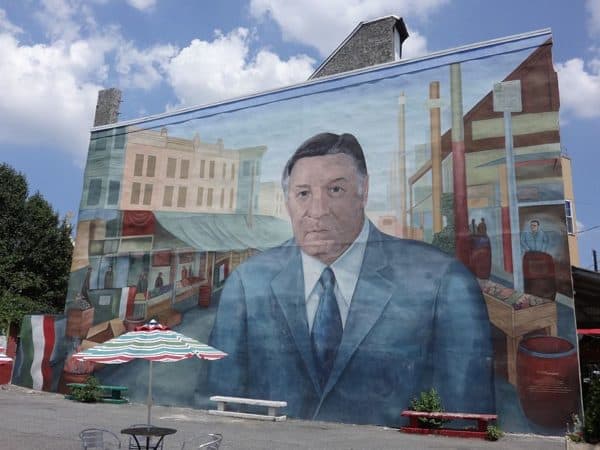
[166,54]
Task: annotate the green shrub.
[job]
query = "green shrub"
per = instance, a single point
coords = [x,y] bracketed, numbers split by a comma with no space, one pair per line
[90,392]
[428,401]
[591,426]
[575,433]
[493,433]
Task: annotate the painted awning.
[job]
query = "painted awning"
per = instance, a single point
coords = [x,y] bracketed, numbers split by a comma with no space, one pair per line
[225,232]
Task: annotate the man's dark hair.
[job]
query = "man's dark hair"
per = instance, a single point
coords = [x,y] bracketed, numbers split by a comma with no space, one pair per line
[327,144]
[537,222]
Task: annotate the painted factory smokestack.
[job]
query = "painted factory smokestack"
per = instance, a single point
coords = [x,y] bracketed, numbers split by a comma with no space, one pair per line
[461,214]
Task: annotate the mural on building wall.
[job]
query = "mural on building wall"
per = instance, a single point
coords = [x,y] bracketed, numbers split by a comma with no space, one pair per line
[390,205]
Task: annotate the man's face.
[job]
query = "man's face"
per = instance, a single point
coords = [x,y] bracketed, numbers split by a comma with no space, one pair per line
[326,201]
[534,227]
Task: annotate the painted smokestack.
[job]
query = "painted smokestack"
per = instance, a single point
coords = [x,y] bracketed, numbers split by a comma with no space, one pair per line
[461,213]
[401,195]
[436,154]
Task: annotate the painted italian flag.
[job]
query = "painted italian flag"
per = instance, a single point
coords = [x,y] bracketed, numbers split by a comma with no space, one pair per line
[38,348]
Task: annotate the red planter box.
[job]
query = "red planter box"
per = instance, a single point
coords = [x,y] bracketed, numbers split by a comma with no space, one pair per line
[5,372]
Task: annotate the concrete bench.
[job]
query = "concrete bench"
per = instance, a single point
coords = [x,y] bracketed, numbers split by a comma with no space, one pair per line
[272,408]
[416,426]
[110,394]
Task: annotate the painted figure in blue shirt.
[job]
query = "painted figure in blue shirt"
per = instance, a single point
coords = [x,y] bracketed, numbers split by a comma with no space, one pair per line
[409,316]
[535,240]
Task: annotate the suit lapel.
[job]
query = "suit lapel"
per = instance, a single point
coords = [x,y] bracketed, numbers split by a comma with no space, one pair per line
[371,295]
[288,289]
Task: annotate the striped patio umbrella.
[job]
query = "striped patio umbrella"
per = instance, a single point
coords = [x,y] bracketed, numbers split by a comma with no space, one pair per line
[154,342]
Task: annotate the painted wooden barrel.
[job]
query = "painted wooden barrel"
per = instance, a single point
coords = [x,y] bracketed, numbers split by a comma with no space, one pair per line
[539,274]
[132,323]
[548,380]
[204,295]
[480,258]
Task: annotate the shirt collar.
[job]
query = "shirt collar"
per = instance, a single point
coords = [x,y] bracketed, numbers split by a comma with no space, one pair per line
[346,268]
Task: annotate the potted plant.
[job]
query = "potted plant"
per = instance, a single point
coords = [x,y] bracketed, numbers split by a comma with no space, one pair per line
[493,433]
[428,401]
[90,392]
[574,435]
[75,371]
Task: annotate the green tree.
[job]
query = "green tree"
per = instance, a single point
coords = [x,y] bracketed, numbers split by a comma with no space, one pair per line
[35,252]
[444,240]
[591,398]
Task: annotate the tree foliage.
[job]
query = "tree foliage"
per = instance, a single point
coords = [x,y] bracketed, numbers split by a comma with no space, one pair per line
[592,410]
[35,252]
[428,401]
[445,239]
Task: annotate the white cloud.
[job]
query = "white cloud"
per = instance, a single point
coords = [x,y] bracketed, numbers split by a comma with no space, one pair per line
[49,95]
[142,5]
[578,78]
[415,45]
[50,90]
[145,68]
[325,24]
[593,9]
[7,26]
[206,71]
[579,85]
[65,19]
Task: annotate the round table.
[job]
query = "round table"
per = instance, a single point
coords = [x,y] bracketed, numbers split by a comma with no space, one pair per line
[148,432]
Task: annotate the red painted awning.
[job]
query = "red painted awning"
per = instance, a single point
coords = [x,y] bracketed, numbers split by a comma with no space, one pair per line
[589,331]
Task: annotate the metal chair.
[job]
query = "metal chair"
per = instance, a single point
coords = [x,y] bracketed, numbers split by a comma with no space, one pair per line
[134,446]
[98,438]
[210,441]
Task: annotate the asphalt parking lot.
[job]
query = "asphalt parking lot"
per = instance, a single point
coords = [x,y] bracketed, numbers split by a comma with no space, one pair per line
[40,420]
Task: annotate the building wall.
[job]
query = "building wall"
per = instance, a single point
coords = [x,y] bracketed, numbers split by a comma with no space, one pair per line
[572,218]
[372,43]
[418,316]
[173,174]
[272,200]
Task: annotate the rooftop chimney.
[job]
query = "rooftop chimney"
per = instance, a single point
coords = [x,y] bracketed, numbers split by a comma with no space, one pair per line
[374,42]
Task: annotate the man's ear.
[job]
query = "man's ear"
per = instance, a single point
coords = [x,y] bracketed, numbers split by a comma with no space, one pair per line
[286,200]
[365,196]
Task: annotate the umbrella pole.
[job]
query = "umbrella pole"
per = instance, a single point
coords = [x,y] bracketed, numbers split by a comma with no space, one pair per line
[149,400]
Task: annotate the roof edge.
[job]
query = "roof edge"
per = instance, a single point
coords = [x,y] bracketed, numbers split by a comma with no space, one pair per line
[433,55]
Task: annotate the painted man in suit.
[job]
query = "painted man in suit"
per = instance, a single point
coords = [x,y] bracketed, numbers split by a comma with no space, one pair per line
[344,322]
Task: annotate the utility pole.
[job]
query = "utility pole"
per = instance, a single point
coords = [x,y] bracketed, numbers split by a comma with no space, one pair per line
[595,260]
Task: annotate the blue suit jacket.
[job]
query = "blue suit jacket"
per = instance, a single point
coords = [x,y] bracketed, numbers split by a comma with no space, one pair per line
[417,320]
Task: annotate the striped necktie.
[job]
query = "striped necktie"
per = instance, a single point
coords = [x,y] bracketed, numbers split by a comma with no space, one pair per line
[327,327]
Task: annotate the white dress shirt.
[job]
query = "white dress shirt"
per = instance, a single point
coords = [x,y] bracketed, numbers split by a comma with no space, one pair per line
[346,270]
